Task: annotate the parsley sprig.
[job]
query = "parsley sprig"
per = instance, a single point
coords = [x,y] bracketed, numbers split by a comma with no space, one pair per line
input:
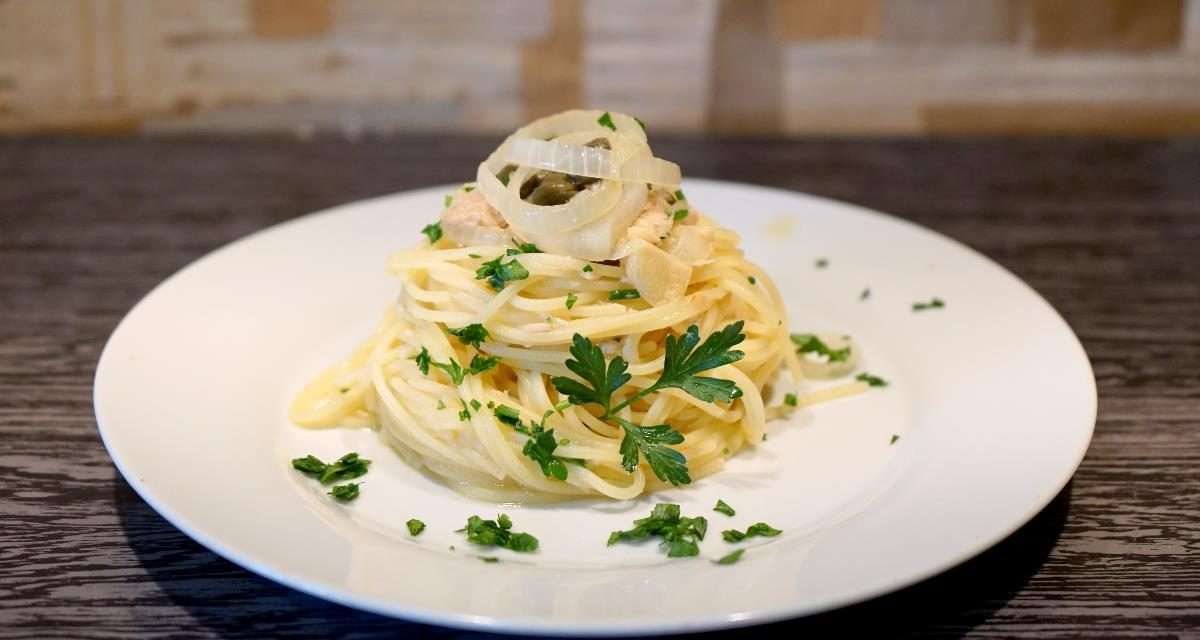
[684,360]
[472,334]
[433,232]
[757,529]
[479,364]
[679,534]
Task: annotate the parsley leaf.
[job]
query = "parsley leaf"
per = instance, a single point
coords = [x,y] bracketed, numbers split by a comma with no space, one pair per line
[309,464]
[423,361]
[606,120]
[571,299]
[480,364]
[751,279]
[623,294]
[489,559]
[587,268]
[415,527]
[936,303]
[679,195]
[894,439]
[874,381]
[821,263]
[523,247]
[587,362]
[809,343]
[667,464]
[866,293]
[684,360]
[433,231]
[345,492]
[347,467]
[498,533]
[790,399]
[757,529]
[500,273]
[541,444]
[724,508]
[678,535]
[446,201]
[452,369]
[472,334]
[679,214]
[731,557]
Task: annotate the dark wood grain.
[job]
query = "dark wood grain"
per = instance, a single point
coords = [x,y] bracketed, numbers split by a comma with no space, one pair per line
[1108,231]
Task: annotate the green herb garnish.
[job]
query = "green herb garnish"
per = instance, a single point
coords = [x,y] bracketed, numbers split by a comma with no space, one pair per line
[606,120]
[821,263]
[684,360]
[475,404]
[498,533]
[874,381]
[541,443]
[571,299]
[472,334]
[500,273]
[751,279]
[489,559]
[809,343]
[446,201]
[347,467]
[790,399]
[345,492]
[433,232]
[623,294]
[423,361]
[724,508]
[866,293]
[679,214]
[415,527]
[757,529]
[480,364]
[894,439]
[309,464]
[679,535]
[731,557]
[679,195]
[936,303]
[452,369]
[587,268]
[524,247]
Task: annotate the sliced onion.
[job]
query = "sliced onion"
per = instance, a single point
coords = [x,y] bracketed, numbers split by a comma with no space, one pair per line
[592,162]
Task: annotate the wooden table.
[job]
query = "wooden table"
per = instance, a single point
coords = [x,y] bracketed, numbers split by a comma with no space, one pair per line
[1108,231]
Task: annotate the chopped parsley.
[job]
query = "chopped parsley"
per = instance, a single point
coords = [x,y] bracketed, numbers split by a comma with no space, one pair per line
[465,414]
[468,188]
[684,360]
[790,399]
[500,273]
[587,268]
[679,214]
[866,293]
[475,404]
[345,492]
[480,364]
[757,529]
[571,299]
[679,195]
[441,405]
[679,536]
[936,303]
[433,232]
[344,390]
[751,279]
[423,361]
[606,120]
[821,263]
[474,255]
[498,533]
[452,369]
[724,508]
[894,439]
[623,294]
[874,381]
[523,247]
[415,527]
[347,467]
[472,334]
[489,559]
[541,443]
[809,343]
[447,200]
[731,557]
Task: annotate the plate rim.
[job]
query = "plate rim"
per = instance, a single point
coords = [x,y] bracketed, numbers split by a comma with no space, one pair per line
[542,627]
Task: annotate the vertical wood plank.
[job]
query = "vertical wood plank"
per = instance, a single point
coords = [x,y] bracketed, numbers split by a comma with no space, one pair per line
[746,91]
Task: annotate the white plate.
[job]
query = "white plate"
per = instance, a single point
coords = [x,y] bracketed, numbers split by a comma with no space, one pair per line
[992,397]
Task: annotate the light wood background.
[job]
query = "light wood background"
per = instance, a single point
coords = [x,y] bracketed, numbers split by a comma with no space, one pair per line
[909,67]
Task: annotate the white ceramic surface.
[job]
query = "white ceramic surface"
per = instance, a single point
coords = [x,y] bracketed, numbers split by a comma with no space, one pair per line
[992,397]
